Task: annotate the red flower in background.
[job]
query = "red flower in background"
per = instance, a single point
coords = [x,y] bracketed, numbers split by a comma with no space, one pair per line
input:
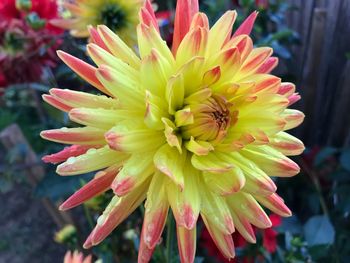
[44,9]
[27,41]
[269,242]
[24,52]
[263,4]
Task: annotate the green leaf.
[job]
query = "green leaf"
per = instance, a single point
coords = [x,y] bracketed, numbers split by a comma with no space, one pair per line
[345,159]
[318,230]
[324,154]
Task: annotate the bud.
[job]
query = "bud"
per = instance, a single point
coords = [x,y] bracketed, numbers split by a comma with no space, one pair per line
[35,21]
[66,235]
[24,5]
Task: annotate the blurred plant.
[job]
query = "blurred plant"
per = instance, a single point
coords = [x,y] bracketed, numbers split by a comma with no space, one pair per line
[67,236]
[119,15]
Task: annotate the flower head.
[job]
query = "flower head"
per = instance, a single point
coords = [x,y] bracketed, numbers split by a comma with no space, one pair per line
[199,129]
[24,52]
[121,16]
[36,12]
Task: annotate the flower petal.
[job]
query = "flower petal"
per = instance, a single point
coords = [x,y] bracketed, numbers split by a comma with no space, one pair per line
[80,136]
[245,205]
[95,187]
[134,172]
[117,47]
[215,209]
[76,99]
[222,240]
[92,160]
[186,240]
[170,162]
[185,10]
[117,210]
[225,183]
[246,27]
[156,211]
[275,203]
[71,151]
[287,144]
[271,161]
[84,70]
[221,32]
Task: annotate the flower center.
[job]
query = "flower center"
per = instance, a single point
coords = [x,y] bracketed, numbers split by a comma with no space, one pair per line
[113,16]
[211,119]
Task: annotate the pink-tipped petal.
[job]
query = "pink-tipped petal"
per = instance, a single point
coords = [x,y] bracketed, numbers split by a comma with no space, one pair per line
[71,151]
[96,38]
[268,65]
[186,240]
[83,69]
[185,10]
[95,187]
[147,15]
[246,27]
[56,103]
[223,241]
[275,203]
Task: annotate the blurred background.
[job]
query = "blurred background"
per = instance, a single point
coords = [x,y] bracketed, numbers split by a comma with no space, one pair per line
[311,38]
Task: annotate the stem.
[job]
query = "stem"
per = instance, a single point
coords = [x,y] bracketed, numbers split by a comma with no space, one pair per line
[170,237]
[88,216]
[316,182]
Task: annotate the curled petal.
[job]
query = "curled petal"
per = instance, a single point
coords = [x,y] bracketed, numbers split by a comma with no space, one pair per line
[134,172]
[275,203]
[95,187]
[76,99]
[56,103]
[268,65]
[225,183]
[92,160]
[147,15]
[221,31]
[80,136]
[130,140]
[186,240]
[186,204]
[215,209]
[117,210]
[293,118]
[185,10]
[287,144]
[84,70]
[71,151]
[247,206]
[117,47]
[156,211]
[222,240]
[96,38]
[271,161]
[246,27]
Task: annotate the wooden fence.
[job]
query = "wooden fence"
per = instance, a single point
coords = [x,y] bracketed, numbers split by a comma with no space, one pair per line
[323,69]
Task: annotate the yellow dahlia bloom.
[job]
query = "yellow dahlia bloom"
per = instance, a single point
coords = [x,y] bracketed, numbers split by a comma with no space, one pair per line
[76,257]
[199,129]
[121,16]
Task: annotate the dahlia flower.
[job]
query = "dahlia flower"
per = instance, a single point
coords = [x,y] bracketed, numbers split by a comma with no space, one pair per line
[76,257]
[25,52]
[199,129]
[121,16]
[43,10]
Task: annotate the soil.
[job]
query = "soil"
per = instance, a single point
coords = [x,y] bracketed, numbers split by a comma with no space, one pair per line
[26,229]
